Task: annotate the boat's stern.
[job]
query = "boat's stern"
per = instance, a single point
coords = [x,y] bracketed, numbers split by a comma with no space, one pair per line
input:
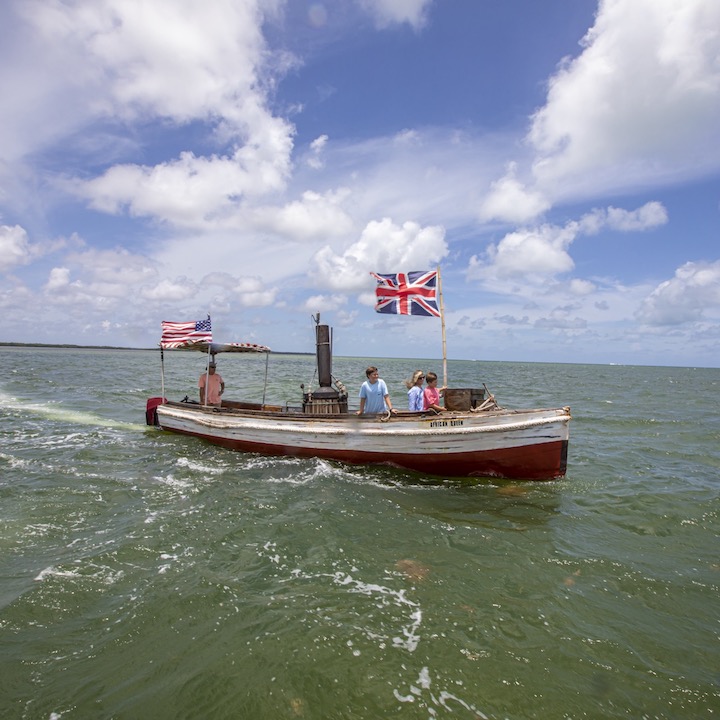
[151,417]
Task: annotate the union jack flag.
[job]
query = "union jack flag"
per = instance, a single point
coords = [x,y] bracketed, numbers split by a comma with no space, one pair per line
[413,293]
[178,334]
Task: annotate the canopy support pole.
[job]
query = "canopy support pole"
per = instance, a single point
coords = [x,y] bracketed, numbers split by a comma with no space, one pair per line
[162,374]
[207,377]
[267,361]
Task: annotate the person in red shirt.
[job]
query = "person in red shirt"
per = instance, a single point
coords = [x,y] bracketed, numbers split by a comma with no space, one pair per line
[215,386]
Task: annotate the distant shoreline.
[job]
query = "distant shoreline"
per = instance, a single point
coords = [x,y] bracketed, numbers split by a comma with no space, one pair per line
[70,346]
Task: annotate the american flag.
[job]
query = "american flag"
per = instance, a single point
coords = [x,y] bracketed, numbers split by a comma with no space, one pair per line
[413,293]
[178,334]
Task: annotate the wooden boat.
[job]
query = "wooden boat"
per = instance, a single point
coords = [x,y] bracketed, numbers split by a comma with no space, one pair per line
[474,437]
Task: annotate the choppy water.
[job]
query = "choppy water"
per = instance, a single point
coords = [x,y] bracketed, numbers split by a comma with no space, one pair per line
[144,575]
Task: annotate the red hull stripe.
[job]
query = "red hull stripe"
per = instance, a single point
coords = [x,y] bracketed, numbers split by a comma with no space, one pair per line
[543,461]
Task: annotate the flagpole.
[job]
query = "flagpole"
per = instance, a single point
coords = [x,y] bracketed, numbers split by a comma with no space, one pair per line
[207,369]
[442,324]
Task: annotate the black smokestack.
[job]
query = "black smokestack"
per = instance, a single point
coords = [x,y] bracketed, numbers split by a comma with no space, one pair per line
[324,355]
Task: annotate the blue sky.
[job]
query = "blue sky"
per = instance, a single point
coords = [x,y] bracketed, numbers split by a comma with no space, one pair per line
[257,159]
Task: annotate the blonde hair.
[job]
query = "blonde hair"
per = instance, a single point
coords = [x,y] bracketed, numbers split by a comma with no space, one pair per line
[413,380]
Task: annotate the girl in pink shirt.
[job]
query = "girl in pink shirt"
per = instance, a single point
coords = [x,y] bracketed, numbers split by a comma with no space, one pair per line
[431,394]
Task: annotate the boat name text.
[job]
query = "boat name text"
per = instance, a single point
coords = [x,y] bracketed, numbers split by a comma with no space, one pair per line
[445,423]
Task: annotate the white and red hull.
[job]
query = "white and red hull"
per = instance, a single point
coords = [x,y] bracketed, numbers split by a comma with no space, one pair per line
[517,444]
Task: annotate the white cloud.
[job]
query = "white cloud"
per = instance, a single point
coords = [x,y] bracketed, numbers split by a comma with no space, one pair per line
[14,247]
[559,320]
[313,216]
[582,287]
[314,159]
[14,299]
[62,291]
[170,291]
[106,279]
[382,247]
[511,201]
[257,299]
[178,59]
[542,251]
[390,12]
[174,61]
[687,297]
[324,303]
[535,254]
[248,291]
[650,215]
[539,251]
[249,286]
[188,192]
[58,280]
[640,104]
[117,266]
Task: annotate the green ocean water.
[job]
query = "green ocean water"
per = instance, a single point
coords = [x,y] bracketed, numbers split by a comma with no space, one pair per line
[145,575]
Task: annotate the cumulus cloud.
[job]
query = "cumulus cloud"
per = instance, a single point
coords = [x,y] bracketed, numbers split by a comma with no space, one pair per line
[650,215]
[188,192]
[692,292]
[58,280]
[260,298]
[105,279]
[314,215]
[324,303]
[581,287]
[640,102]
[250,291]
[391,12]
[176,58]
[66,292]
[542,252]
[178,62]
[17,250]
[382,247]
[13,299]
[509,200]
[539,251]
[114,266]
[14,247]
[170,290]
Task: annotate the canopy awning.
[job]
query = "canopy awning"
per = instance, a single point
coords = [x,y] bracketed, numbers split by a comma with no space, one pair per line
[214,348]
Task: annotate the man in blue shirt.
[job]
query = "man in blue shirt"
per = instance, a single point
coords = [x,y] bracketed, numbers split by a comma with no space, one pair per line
[374,396]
